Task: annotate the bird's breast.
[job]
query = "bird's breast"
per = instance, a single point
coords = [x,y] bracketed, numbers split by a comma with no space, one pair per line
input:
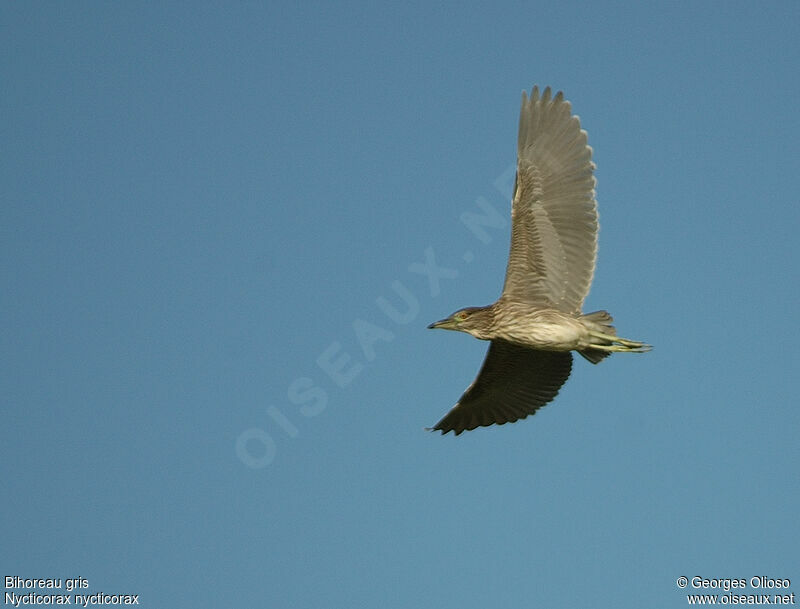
[547,330]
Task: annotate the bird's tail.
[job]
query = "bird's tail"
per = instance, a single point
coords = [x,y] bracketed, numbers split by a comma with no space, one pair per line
[601,322]
[604,338]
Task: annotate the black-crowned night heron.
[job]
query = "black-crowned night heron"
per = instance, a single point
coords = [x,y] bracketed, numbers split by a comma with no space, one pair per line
[537,321]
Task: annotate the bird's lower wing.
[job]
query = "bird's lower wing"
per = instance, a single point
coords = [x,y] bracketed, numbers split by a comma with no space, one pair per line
[513,382]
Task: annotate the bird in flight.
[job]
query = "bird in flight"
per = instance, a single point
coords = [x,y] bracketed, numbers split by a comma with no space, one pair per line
[537,322]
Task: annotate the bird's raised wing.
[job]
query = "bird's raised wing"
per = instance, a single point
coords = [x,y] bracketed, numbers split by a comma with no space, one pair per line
[513,382]
[553,211]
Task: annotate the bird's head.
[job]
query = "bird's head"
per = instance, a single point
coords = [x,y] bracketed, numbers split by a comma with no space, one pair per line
[477,321]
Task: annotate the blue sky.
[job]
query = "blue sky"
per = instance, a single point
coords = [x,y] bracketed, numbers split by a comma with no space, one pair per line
[203,201]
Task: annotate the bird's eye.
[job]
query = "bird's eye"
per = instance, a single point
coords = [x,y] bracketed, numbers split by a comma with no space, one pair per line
[461,316]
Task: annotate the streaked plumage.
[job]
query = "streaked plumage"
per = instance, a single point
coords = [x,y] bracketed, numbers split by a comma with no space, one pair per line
[537,321]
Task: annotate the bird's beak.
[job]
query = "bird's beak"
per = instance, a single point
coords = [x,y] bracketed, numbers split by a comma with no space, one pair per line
[443,324]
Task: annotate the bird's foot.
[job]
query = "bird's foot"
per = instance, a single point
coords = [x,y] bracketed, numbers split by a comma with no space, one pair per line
[618,345]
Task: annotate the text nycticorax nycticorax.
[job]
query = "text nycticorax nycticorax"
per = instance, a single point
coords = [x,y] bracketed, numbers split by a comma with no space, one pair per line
[537,321]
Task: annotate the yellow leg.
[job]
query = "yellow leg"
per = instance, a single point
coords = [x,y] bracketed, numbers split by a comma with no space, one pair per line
[619,344]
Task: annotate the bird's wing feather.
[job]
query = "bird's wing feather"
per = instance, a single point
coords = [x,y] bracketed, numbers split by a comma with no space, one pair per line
[553,211]
[513,382]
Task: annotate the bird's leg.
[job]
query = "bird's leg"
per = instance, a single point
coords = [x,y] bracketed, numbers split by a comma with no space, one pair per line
[618,344]
[621,348]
